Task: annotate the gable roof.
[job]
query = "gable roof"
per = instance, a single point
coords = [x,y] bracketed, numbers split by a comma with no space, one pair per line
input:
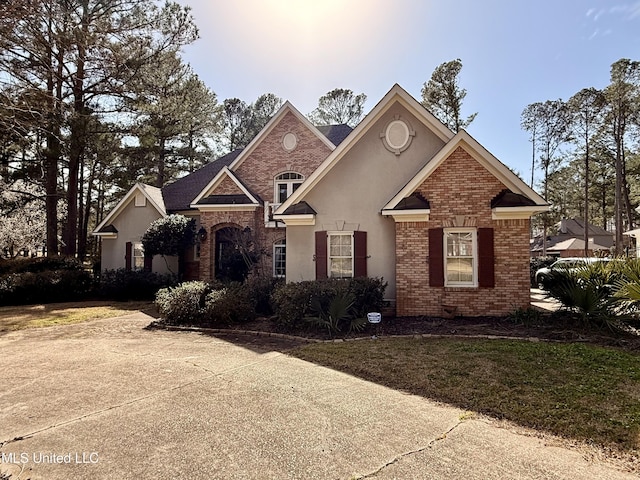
[396,94]
[575,227]
[207,195]
[462,139]
[287,107]
[180,194]
[152,194]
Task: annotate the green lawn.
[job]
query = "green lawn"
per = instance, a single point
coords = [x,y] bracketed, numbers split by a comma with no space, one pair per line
[31,316]
[573,390]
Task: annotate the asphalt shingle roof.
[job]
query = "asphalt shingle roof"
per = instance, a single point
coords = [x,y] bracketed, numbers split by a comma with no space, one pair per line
[335,133]
[179,194]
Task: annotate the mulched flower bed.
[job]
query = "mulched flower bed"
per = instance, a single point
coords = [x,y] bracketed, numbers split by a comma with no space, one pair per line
[557,328]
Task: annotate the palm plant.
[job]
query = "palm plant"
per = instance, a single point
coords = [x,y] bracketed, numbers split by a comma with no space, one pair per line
[336,313]
[627,287]
[588,291]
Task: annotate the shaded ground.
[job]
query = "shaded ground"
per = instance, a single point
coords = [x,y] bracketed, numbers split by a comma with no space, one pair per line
[554,328]
[152,404]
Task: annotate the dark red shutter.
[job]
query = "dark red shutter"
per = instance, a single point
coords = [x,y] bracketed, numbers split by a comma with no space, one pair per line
[128,253]
[436,257]
[321,254]
[148,261]
[359,254]
[486,260]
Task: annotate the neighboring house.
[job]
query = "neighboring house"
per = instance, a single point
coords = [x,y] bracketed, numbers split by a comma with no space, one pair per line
[566,239]
[400,197]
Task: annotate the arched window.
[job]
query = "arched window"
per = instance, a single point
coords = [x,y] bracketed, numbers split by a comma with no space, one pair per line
[279,258]
[285,185]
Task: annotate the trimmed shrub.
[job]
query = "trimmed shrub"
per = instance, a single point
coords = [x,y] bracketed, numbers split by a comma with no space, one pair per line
[183,304]
[231,305]
[45,287]
[40,264]
[296,301]
[260,289]
[123,285]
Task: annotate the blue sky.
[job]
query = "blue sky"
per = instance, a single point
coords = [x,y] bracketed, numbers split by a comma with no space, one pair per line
[514,52]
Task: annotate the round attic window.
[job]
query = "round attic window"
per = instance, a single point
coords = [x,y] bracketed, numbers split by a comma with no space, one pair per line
[289,141]
[397,135]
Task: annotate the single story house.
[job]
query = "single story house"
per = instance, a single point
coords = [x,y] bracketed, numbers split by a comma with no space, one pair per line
[400,196]
[566,239]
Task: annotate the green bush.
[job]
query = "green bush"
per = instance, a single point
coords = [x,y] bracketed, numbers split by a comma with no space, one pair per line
[260,289]
[40,264]
[184,304]
[294,302]
[123,285]
[231,305]
[45,287]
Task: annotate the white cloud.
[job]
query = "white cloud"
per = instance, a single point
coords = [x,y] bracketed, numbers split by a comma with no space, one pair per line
[630,10]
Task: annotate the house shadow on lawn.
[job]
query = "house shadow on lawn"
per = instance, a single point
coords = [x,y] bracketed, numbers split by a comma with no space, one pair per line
[259,343]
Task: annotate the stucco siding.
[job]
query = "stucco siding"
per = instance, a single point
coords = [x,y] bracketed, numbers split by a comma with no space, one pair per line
[131,224]
[353,192]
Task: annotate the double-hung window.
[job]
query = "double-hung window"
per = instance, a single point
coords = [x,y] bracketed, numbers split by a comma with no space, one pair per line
[460,257]
[340,254]
[138,256]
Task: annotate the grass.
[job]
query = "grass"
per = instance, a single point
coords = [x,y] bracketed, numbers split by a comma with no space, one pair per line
[35,316]
[577,391]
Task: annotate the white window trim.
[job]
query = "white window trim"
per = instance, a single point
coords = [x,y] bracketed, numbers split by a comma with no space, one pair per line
[276,245]
[140,200]
[137,246]
[288,182]
[474,282]
[329,256]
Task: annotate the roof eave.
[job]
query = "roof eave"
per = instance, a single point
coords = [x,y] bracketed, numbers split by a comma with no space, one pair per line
[306,219]
[517,213]
[235,207]
[411,215]
[105,234]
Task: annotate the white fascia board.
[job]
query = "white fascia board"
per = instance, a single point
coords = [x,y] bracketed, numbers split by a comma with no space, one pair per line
[516,213]
[396,94]
[415,215]
[225,171]
[483,156]
[291,220]
[105,234]
[138,187]
[234,207]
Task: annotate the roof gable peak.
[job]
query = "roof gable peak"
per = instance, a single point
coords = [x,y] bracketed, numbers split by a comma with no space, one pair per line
[287,107]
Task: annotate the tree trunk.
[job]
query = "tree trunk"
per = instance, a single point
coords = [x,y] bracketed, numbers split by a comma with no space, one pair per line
[78,136]
[586,194]
[161,162]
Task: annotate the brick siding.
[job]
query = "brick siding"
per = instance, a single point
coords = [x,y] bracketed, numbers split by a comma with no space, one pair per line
[257,172]
[459,192]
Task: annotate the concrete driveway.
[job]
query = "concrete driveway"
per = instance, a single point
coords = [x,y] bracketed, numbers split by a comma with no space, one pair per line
[109,399]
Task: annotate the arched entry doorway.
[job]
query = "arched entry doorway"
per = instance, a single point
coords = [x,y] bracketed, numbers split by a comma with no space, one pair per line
[232,258]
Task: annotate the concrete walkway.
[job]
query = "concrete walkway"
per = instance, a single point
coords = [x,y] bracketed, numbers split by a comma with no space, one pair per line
[540,301]
[109,399]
